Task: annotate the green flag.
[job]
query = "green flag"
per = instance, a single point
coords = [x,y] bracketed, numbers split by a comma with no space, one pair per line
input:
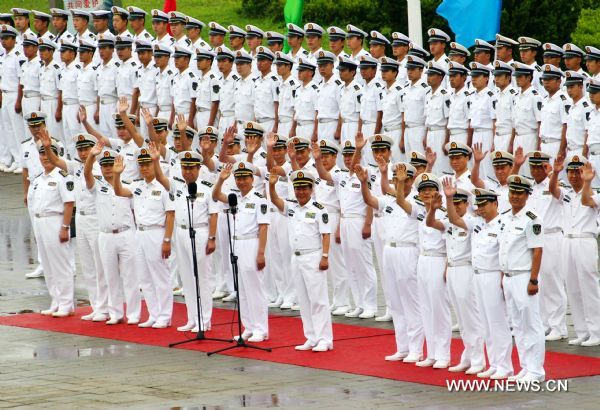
[292,13]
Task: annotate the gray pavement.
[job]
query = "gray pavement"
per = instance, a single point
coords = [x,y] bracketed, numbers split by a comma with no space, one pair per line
[41,369]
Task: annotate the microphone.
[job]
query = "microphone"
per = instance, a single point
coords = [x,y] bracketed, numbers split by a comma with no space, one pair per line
[192,190]
[232,200]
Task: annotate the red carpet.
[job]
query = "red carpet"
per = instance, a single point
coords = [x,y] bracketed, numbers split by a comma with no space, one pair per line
[357,349]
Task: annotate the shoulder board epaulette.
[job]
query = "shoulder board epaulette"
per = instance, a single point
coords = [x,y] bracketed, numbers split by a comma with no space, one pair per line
[491,93]
[291,200]
[390,194]
[305,52]
[56,66]
[344,170]
[318,205]
[235,77]
[63,173]
[562,97]
[534,91]
[173,149]
[138,179]
[443,209]
[273,78]
[292,82]
[95,67]
[512,91]
[127,182]
[208,184]
[147,35]
[258,194]
[98,177]
[169,72]
[78,160]
[191,74]
[78,66]
[27,140]
[398,88]
[178,179]
[314,86]
[17,53]
[423,85]
[212,75]
[507,211]
[338,82]
[263,154]
[356,87]
[443,91]
[132,63]
[377,84]
[531,215]
[117,64]
[585,104]
[537,67]
[41,62]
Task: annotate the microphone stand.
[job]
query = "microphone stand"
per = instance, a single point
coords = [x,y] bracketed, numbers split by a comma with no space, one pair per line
[240,342]
[200,335]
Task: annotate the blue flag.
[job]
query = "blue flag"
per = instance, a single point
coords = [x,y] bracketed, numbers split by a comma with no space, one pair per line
[471,19]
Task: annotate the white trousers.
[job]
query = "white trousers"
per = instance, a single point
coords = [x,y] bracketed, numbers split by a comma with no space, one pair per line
[435,306]
[154,275]
[461,289]
[107,124]
[435,141]
[311,288]
[13,131]
[326,130]
[57,259]
[349,130]
[553,296]
[306,131]
[91,264]
[492,311]
[501,142]
[400,266]
[253,302]
[486,139]
[338,275]
[413,139]
[529,143]
[71,127]
[377,232]
[223,274]
[397,156]
[595,161]
[367,154]
[186,271]
[118,255]
[550,148]
[358,254]
[279,270]
[524,312]
[284,128]
[580,265]
[55,130]
[28,105]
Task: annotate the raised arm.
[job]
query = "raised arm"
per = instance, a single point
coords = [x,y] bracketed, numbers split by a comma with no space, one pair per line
[91,130]
[401,176]
[159,175]
[118,168]
[89,165]
[278,202]
[368,197]
[152,135]
[52,157]
[228,136]
[519,161]
[217,195]
[323,173]
[360,144]
[386,188]
[291,152]
[123,108]
[478,156]
[431,157]
[559,164]
[207,153]
[433,206]
[587,195]
[449,191]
